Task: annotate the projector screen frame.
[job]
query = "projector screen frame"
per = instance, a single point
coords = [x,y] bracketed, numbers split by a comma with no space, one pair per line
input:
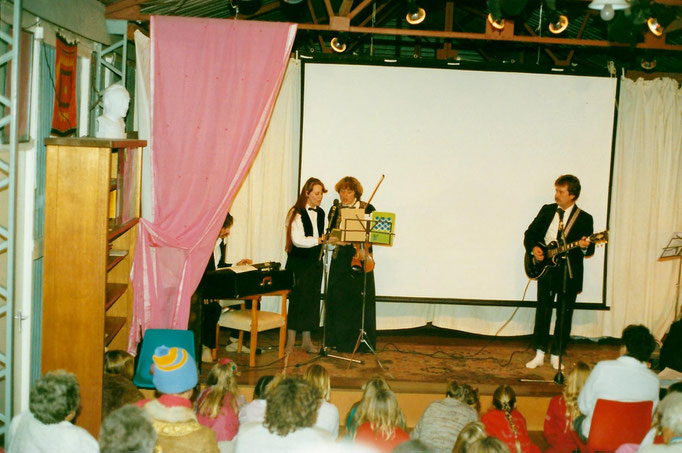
[455,66]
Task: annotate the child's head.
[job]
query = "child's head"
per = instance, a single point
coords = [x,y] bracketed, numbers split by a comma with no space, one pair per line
[471,432]
[261,385]
[174,371]
[120,362]
[221,380]
[504,398]
[464,393]
[383,413]
[372,386]
[317,376]
[574,383]
[488,444]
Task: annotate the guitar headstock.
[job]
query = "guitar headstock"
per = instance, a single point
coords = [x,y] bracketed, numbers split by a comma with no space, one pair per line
[600,238]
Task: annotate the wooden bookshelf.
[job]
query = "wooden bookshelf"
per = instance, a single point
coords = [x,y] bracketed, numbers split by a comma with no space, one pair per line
[88,255]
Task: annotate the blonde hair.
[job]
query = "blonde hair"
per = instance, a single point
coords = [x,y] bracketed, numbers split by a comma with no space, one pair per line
[574,384]
[504,399]
[317,376]
[120,362]
[489,444]
[383,413]
[369,389]
[471,432]
[221,380]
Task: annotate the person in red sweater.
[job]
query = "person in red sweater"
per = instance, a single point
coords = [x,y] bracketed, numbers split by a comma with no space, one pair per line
[563,409]
[381,423]
[506,423]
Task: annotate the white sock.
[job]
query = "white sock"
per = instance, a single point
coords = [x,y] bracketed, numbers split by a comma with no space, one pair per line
[537,361]
[554,360]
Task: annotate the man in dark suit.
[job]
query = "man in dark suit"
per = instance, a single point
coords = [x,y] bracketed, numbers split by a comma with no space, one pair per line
[560,221]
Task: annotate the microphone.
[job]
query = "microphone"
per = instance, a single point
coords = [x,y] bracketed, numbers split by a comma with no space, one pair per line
[332,213]
[332,217]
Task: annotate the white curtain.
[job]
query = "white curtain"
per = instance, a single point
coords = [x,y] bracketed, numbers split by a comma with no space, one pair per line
[645,210]
[270,189]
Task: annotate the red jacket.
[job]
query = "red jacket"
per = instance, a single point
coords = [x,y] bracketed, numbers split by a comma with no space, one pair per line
[366,436]
[497,425]
[558,428]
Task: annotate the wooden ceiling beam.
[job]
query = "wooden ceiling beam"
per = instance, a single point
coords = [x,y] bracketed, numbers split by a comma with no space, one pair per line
[483,37]
[131,13]
[121,5]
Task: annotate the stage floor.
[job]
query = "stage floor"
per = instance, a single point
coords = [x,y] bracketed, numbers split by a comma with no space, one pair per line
[422,361]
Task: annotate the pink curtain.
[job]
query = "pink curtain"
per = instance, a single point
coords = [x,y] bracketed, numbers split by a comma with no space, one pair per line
[214,84]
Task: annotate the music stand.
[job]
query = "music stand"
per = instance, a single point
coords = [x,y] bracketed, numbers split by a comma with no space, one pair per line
[670,252]
[379,231]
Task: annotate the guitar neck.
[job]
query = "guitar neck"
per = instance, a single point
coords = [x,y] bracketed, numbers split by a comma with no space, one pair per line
[563,248]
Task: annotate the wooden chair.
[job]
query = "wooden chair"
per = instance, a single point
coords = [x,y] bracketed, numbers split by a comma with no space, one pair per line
[255,321]
[615,423]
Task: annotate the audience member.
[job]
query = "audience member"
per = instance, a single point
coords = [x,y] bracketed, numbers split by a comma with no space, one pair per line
[127,430]
[47,426]
[290,414]
[468,435]
[412,446]
[671,425]
[624,379]
[506,423]
[174,374]
[489,444]
[219,403]
[381,423]
[654,436]
[117,382]
[370,388]
[255,410]
[442,420]
[327,415]
[563,409]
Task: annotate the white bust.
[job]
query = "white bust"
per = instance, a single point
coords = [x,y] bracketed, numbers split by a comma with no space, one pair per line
[115,101]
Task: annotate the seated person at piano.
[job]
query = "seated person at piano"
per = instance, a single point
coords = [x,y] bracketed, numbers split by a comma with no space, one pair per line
[211,310]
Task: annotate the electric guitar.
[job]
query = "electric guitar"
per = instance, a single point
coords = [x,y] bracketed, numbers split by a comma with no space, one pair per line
[553,251]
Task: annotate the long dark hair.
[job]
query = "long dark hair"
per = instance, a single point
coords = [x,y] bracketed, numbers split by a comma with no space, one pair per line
[300,204]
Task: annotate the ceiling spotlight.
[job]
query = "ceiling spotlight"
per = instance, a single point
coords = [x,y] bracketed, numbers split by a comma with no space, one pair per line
[608,7]
[654,26]
[338,44]
[415,14]
[647,64]
[559,25]
[496,23]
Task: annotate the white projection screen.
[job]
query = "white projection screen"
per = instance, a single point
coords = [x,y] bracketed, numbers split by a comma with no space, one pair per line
[469,157]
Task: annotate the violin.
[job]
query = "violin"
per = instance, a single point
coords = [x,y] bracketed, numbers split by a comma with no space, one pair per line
[363,260]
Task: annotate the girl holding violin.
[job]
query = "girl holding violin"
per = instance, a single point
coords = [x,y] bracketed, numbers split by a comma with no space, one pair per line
[306,224]
[347,279]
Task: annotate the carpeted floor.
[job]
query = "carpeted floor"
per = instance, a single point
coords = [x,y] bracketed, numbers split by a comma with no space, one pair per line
[424,359]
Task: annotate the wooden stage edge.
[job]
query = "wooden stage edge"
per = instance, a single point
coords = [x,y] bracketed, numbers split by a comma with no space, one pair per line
[418,363]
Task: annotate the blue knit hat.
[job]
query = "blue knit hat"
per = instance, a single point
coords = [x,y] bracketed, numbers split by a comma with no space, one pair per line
[174,370]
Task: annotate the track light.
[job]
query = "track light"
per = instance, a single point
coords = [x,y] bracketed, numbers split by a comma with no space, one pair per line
[559,24]
[415,14]
[647,64]
[338,44]
[496,23]
[654,26]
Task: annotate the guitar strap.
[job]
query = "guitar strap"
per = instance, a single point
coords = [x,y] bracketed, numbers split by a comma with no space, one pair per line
[572,221]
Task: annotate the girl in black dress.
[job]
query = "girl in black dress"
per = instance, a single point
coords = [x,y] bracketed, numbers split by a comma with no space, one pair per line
[306,224]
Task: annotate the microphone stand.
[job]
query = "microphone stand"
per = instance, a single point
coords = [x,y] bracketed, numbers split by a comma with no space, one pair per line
[324,351]
[568,273]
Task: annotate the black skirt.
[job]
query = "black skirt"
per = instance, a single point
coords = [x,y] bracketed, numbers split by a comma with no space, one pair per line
[304,300]
[344,317]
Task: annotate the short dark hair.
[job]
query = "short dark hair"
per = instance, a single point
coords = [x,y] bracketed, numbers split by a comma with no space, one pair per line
[229,220]
[54,396]
[572,182]
[127,429]
[261,386]
[638,341]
